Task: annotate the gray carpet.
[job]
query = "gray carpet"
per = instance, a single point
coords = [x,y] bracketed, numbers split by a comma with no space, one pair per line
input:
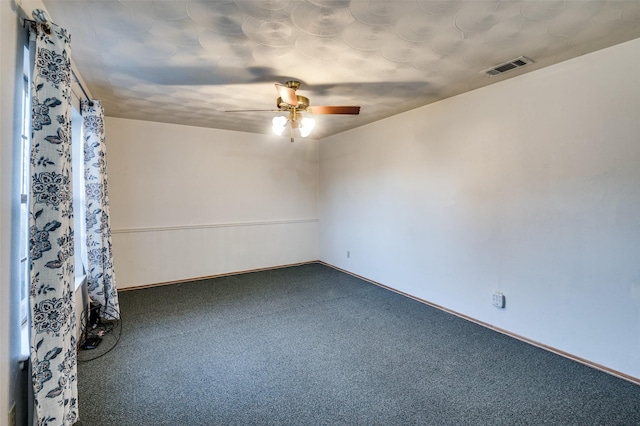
[309,345]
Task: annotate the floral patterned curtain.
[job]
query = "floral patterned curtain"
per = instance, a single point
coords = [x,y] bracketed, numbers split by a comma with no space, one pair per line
[100,276]
[53,325]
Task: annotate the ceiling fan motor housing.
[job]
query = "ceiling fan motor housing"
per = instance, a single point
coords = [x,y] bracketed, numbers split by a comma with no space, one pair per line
[303,103]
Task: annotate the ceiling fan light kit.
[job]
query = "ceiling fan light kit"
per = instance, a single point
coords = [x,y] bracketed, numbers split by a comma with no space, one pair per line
[304,124]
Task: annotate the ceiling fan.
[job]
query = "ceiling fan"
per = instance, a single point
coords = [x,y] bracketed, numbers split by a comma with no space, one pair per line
[295,105]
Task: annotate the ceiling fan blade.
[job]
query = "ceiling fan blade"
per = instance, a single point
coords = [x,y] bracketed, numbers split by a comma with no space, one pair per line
[287,94]
[253,110]
[353,110]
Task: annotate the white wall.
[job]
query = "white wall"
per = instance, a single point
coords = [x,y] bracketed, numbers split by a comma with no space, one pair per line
[189,202]
[530,187]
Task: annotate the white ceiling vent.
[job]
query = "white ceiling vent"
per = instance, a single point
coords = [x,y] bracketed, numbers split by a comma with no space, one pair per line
[508,66]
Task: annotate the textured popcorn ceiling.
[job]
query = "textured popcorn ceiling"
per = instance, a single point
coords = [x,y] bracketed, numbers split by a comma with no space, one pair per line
[187,62]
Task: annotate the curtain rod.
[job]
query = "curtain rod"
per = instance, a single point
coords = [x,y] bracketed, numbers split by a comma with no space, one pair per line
[82,88]
[43,19]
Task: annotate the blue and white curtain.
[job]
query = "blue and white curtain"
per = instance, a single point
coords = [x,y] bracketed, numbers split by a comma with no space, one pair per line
[53,326]
[101,275]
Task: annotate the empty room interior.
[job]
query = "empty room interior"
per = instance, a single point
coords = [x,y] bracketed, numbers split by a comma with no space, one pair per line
[476,158]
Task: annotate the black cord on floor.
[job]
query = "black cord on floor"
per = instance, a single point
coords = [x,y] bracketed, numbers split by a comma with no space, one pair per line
[107,331]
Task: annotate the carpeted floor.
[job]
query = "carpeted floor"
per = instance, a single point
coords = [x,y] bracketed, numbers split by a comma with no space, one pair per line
[309,345]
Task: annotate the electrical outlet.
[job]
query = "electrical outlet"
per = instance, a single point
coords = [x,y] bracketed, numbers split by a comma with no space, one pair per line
[348,254]
[498,300]
[12,415]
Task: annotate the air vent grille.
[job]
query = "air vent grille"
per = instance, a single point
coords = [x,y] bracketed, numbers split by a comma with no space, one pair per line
[508,66]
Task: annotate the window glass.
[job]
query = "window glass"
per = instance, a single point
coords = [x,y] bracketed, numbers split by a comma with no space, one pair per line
[24,237]
[79,224]
[24,145]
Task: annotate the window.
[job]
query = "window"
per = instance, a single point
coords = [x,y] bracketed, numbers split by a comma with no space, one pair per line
[24,148]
